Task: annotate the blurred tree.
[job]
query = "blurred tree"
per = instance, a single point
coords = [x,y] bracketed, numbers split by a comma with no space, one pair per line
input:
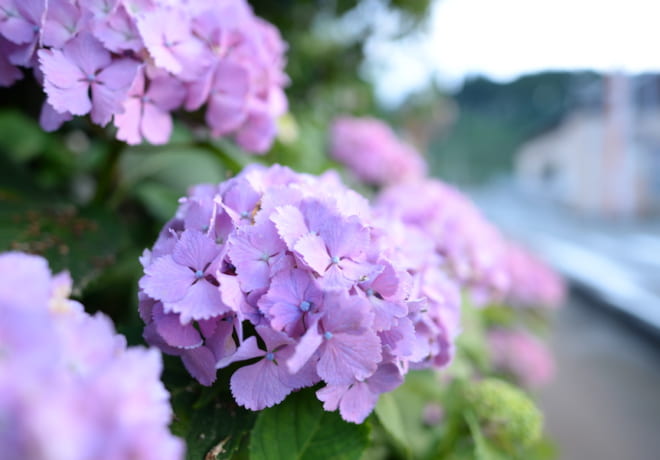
[494,119]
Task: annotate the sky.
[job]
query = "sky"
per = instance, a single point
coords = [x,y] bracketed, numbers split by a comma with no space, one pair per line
[507,38]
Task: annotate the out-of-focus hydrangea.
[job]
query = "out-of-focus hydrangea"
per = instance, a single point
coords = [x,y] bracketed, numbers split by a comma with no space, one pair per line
[137,61]
[327,289]
[372,151]
[521,355]
[69,387]
[467,247]
[505,413]
[533,283]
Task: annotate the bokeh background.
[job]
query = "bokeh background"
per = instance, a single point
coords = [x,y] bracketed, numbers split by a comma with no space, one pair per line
[546,112]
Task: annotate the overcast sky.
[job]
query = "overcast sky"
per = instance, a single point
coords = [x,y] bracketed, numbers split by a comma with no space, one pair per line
[507,38]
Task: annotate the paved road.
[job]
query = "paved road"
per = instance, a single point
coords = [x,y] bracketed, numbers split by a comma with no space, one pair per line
[604,403]
[617,260]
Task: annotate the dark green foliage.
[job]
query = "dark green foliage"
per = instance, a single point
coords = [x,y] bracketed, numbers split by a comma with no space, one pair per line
[302,430]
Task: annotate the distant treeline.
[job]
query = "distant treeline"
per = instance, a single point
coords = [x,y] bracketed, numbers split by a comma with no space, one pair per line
[494,119]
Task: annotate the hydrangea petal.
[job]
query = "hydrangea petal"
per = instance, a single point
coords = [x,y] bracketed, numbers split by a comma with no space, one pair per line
[200,362]
[179,335]
[202,301]
[258,386]
[166,280]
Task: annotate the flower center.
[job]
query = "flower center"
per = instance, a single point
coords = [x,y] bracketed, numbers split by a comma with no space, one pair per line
[327,335]
[370,292]
[270,356]
[199,274]
[334,260]
[305,305]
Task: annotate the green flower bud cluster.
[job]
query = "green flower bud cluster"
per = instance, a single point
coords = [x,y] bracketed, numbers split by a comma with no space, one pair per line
[507,416]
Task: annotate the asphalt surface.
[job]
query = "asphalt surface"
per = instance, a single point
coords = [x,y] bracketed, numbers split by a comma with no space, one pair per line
[616,260]
[604,403]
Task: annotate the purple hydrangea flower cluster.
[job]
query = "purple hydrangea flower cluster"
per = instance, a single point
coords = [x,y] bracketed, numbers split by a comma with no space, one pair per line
[295,277]
[533,283]
[522,355]
[69,387]
[371,150]
[469,248]
[138,60]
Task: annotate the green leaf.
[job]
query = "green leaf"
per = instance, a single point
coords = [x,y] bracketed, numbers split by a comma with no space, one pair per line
[20,136]
[400,414]
[176,166]
[217,430]
[482,448]
[83,241]
[299,429]
[391,418]
[160,200]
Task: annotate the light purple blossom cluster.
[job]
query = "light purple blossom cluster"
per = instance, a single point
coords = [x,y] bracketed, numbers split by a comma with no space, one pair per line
[295,277]
[138,60]
[522,355]
[371,150]
[468,247]
[69,387]
[533,283]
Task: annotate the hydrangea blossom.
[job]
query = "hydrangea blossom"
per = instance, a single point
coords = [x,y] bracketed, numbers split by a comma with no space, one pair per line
[135,62]
[521,355]
[328,292]
[372,151]
[468,247]
[69,386]
[533,283]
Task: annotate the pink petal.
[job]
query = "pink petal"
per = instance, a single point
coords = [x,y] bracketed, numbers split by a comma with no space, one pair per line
[201,302]
[385,379]
[178,335]
[8,73]
[166,93]
[313,252]
[62,23]
[63,83]
[347,313]
[305,349]
[198,91]
[290,224]
[50,119]
[167,280]
[119,75]
[200,362]
[348,357]
[195,250]
[258,132]
[110,89]
[248,349]
[224,113]
[231,293]
[331,395]
[156,124]
[305,377]
[258,386]
[118,32]
[357,403]
[221,342]
[88,54]
[17,30]
[345,237]
[334,279]
[128,122]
